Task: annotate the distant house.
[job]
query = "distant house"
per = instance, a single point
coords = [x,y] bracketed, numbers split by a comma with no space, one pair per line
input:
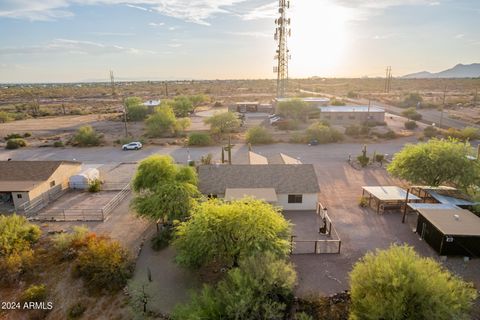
[347,115]
[292,187]
[311,101]
[152,103]
[253,106]
[24,181]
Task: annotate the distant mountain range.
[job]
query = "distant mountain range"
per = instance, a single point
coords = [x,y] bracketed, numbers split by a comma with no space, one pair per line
[459,71]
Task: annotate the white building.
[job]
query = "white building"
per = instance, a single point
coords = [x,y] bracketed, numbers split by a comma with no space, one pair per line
[289,186]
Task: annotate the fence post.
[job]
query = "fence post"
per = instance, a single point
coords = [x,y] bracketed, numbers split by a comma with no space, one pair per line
[316,244]
[339,246]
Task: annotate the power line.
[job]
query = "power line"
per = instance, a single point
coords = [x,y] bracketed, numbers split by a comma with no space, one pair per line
[282,32]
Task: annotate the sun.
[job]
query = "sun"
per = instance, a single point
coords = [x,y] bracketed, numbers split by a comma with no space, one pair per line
[319,37]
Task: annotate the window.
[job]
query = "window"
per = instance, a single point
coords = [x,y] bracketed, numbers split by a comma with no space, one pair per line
[52,184]
[295,198]
[19,196]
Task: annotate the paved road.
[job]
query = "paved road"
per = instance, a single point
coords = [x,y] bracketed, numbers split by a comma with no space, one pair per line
[429,116]
[105,155]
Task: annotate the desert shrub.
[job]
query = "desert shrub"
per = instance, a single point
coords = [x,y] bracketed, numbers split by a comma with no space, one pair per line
[13,136]
[260,288]
[200,139]
[287,124]
[318,307]
[390,134]
[77,111]
[352,95]
[86,136]
[95,186]
[207,159]
[363,160]
[137,112]
[294,109]
[222,123]
[379,157]
[15,144]
[182,106]
[27,135]
[399,282]
[76,310]
[323,134]
[410,125]
[258,135]
[58,144]
[466,134]
[412,114]
[5,117]
[68,244]
[298,137]
[363,202]
[14,265]
[162,239]
[353,130]
[336,102]
[430,132]
[103,265]
[411,100]
[35,293]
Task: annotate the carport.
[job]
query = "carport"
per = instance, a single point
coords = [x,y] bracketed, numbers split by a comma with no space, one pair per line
[385,198]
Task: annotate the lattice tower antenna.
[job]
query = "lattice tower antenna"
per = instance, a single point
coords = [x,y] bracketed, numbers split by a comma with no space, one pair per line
[282,32]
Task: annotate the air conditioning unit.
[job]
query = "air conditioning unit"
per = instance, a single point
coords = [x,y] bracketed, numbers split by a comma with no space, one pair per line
[449,239]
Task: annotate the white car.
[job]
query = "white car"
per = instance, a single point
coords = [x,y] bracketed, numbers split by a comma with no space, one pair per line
[132,146]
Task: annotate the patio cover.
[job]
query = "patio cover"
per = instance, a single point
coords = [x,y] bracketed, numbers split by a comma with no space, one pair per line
[389,193]
[266,194]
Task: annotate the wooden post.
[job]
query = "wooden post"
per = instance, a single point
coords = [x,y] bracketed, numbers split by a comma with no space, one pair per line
[405,208]
[316,244]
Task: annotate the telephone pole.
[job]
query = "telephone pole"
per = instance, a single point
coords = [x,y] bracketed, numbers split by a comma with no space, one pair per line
[388,79]
[282,32]
[443,107]
[112,82]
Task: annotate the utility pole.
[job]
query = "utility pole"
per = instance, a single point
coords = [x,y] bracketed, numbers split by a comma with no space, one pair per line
[388,79]
[443,107]
[125,118]
[166,89]
[282,32]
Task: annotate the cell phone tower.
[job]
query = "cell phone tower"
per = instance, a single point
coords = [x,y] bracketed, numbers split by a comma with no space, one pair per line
[282,32]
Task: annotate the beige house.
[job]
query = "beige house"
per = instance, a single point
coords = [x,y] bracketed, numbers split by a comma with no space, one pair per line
[22,182]
[289,186]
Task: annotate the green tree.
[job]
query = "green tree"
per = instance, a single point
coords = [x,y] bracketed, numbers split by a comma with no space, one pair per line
[222,123]
[399,284]
[323,133]
[86,136]
[164,190]
[137,112]
[227,232]
[261,288]
[412,114]
[182,106]
[162,122]
[294,109]
[412,100]
[198,100]
[199,139]
[132,101]
[258,135]
[436,162]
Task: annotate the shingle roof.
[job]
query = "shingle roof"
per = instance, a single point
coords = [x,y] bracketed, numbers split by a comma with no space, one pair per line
[24,175]
[284,178]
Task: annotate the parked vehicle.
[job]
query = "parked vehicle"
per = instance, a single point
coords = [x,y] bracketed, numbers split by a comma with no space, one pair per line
[313,142]
[132,146]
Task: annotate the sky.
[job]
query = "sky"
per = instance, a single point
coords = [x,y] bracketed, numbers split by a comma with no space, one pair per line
[82,40]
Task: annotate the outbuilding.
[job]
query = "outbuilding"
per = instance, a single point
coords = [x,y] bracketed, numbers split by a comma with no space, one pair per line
[450,231]
[348,115]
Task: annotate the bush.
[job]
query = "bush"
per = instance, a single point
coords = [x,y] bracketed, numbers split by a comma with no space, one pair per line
[363,160]
[222,123]
[430,132]
[162,239]
[411,100]
[287,124]
[294,109]
[68,244]
[363,202]
[199,139]
[76,310]
[58,144]
[261,288]
[162,122]
[399,282]
[13,136]
[207,159]
[410,125]
[137,112]
[35,293]
[258,135]
[103,265]
[412,114]
[336,102]
[27,135]
[379,157]
[352,95]
[15,144]
[86,136]
[466,134]
[298,137]
[323,134]
[5,117]
[95,186]
[353,130]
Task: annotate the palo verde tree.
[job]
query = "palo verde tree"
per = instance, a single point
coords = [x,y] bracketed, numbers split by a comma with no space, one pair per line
[227,232]
[165,190]
[398,284]
[436,162]
[136,111]
[294,109]
[222,123]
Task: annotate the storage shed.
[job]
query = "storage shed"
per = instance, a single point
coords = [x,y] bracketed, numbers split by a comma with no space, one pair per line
[451,232]
[84,178]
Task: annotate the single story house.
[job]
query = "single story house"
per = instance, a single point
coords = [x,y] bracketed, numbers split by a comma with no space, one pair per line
[290,186]
[24,181]
[449,230]
[348,115]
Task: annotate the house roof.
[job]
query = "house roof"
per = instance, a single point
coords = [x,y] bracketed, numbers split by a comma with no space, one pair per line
[25,175]
[455,222]
[389,193]
[351,109]
[266,194]
[255,158]
[281,158]
[284,178]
